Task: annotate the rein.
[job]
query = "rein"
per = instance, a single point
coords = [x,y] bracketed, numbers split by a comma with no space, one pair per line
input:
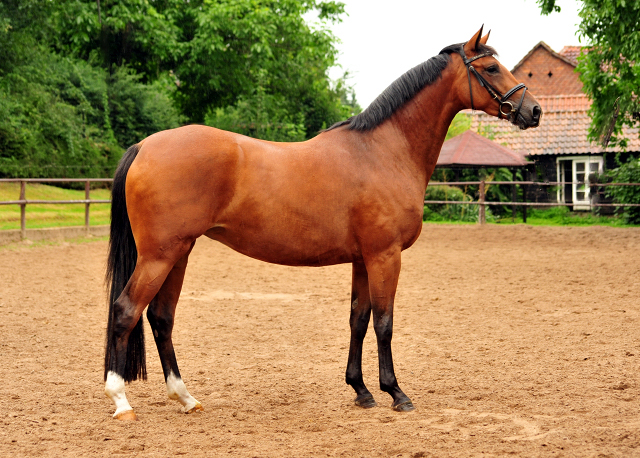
[493,92]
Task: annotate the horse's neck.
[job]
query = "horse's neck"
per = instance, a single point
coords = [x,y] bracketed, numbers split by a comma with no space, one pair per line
[423,123]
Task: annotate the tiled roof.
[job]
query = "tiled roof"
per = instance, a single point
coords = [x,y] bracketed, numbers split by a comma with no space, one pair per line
[563,129]
[471,149]
[545,46]
[571,53]
[573,102]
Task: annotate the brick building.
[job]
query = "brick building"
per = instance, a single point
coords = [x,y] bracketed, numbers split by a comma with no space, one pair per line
[558,148]
[548,73]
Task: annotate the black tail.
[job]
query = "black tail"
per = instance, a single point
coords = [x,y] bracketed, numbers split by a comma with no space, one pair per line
[120,265]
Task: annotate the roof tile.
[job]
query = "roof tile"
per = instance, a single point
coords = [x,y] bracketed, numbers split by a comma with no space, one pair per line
[563,129]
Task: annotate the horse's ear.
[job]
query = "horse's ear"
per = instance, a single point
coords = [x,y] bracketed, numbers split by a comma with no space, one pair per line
[471,46]
[484,39]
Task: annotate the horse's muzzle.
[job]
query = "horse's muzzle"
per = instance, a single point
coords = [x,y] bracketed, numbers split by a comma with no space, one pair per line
[528,117]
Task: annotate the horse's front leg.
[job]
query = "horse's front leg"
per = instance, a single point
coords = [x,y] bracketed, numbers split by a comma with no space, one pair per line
[359,321]
[384,270]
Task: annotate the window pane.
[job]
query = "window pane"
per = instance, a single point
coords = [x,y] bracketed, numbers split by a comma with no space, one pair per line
[593,167]
[580,166]
[580,195]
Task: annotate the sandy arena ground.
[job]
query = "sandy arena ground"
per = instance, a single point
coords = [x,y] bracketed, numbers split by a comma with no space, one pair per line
[509,340]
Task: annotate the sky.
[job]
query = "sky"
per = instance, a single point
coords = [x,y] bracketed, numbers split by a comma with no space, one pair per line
[382,40]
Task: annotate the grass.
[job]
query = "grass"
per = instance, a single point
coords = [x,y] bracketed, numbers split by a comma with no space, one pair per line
[552,216]
[562,216]
[51,215]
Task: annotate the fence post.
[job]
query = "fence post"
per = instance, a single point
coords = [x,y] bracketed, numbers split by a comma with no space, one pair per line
[87,188]
[23,210]
[524,207]
[514,198]
[482,218]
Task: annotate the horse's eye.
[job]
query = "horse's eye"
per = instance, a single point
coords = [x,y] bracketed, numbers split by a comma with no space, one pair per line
[493,69]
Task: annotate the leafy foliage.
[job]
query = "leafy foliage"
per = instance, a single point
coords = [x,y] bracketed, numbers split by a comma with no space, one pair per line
[138,110]
[610,67]
[80,80]
[260,115]
[217,51]
[53,116]
[450,212]
[460,124]
[235,46]
[63,117]
[628,172]
[493,192]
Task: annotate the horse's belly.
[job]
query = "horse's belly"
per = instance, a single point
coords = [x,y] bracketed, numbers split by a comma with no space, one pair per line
[292,248]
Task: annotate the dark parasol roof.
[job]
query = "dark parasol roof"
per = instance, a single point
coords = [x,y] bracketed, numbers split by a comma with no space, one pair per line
[472,150]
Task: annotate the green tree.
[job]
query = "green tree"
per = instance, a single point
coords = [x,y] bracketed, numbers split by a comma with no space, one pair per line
[63,116]
[610,69]
[233,44]
[80,80]
[216,50]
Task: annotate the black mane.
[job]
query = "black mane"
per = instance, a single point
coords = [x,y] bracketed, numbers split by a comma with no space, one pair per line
[404,89]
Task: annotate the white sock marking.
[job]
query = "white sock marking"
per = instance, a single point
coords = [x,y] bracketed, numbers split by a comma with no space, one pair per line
[176,389]
[114,389]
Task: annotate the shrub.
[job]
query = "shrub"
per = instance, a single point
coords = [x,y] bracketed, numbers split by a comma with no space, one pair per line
[628,172]
[451,212]
[260,116]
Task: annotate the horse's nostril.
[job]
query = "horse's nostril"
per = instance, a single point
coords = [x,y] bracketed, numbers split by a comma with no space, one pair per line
[537,111]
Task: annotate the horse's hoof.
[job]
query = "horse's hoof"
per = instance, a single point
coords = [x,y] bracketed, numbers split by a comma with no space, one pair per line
[406,406]
[366,401]
[127,415]
[197,408]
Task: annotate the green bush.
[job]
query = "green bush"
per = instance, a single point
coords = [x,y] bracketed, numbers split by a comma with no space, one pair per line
[260,116]
[138,110]
[451,212]
[628,172]
[53,116]
[63,117]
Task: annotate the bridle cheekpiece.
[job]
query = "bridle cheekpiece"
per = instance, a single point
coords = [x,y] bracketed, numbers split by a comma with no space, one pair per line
[493,92]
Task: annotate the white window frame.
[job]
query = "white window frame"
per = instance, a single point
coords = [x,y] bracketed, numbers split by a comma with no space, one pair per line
[587,160]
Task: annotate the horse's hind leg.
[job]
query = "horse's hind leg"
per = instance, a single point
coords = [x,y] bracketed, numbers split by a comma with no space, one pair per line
[145,282]
[161,313]
[359,321]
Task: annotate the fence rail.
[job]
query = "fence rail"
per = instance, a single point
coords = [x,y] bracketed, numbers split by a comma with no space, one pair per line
[483,203]
[23,201]
[87,201]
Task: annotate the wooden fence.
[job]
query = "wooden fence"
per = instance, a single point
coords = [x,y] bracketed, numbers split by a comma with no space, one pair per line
[482,202]
[23,201]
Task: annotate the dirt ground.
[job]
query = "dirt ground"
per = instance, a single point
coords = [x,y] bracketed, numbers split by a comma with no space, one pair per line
[509,340]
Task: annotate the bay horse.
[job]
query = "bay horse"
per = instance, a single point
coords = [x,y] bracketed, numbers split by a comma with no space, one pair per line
[352,194]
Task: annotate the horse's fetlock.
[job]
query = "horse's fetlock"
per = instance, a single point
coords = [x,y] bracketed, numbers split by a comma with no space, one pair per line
[389,386]
[354,379]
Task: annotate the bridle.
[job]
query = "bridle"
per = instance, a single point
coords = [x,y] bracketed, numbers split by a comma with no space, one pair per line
[501,99]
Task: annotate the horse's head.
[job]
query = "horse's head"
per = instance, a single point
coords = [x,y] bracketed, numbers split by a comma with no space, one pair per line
[485,84]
